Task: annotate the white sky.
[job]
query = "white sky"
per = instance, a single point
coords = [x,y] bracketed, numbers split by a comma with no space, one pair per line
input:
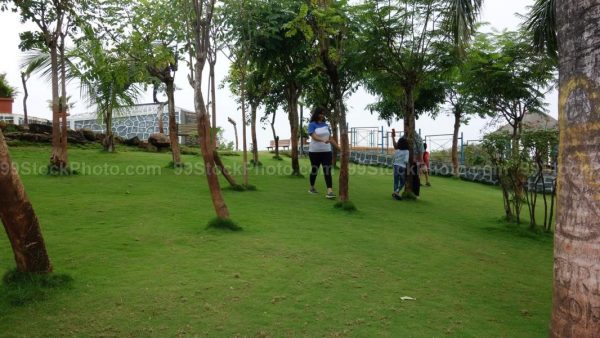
[500,14]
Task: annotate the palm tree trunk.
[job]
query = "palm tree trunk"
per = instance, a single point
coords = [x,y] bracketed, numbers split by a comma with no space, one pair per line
[58,158]
[19,219]
[173,123]
[63,100]
[576,296]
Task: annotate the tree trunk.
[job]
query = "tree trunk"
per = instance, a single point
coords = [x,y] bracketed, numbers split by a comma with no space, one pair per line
[109,139]
[201,28]
[275,137]
[457,116]
[409,131]
[576,297]
[254,107]
[64,104]
[24,78]
[335,135]
[58,159]
[19,219]
[173,123]
[244,143]
[213,97]
[292,93]
[223,170]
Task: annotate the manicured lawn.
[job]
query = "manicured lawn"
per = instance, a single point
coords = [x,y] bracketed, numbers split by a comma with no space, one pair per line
[143,263]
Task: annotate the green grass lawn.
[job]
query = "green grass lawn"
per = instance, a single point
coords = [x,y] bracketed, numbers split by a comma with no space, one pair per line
[143,263]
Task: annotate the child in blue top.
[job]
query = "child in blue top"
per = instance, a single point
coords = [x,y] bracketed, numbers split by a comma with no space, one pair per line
[400,163]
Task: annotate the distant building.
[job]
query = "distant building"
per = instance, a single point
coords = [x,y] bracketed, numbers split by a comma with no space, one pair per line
[534,121]
[140,120]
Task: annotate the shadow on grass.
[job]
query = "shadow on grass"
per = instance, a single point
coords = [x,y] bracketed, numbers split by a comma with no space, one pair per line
[520,230]
[20,288]
[347,206]
[240,187]
[223,224]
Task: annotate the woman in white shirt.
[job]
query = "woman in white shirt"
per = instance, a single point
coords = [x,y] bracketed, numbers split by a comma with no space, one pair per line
[319,150]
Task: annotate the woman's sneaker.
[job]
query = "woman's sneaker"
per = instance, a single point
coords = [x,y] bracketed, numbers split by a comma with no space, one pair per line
[396,196]
[330,195]
[312,191]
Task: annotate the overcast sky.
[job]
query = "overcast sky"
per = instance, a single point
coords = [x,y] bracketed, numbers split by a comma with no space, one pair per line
[500,14]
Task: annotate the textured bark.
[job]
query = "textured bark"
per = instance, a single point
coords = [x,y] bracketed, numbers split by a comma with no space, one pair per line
[19,219]
[176,152]
[576,297]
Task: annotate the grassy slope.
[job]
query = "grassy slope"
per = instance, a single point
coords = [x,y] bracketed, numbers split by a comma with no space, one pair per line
[144,265]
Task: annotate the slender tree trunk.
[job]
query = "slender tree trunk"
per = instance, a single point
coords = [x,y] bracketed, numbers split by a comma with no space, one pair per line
[19,219]
[409,131]
[161,105]
[58,160]
[223,170]
[213,96]
[457,116]
[64,104]
[275,137]
[109,138]
[336,138]
[292,98]
[173,130]
[237,148]
[344,189]
[202,21]
[24,78]
[254,107]
[244,143]
[576,298]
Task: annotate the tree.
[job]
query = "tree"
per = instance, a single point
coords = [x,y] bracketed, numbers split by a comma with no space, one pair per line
[108,79]
[540,23]
[576,298]
[19,219]
[402,38]
[199,28]
[328,26]
[155,43]
[507,78]
[286,57]
[53,19]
